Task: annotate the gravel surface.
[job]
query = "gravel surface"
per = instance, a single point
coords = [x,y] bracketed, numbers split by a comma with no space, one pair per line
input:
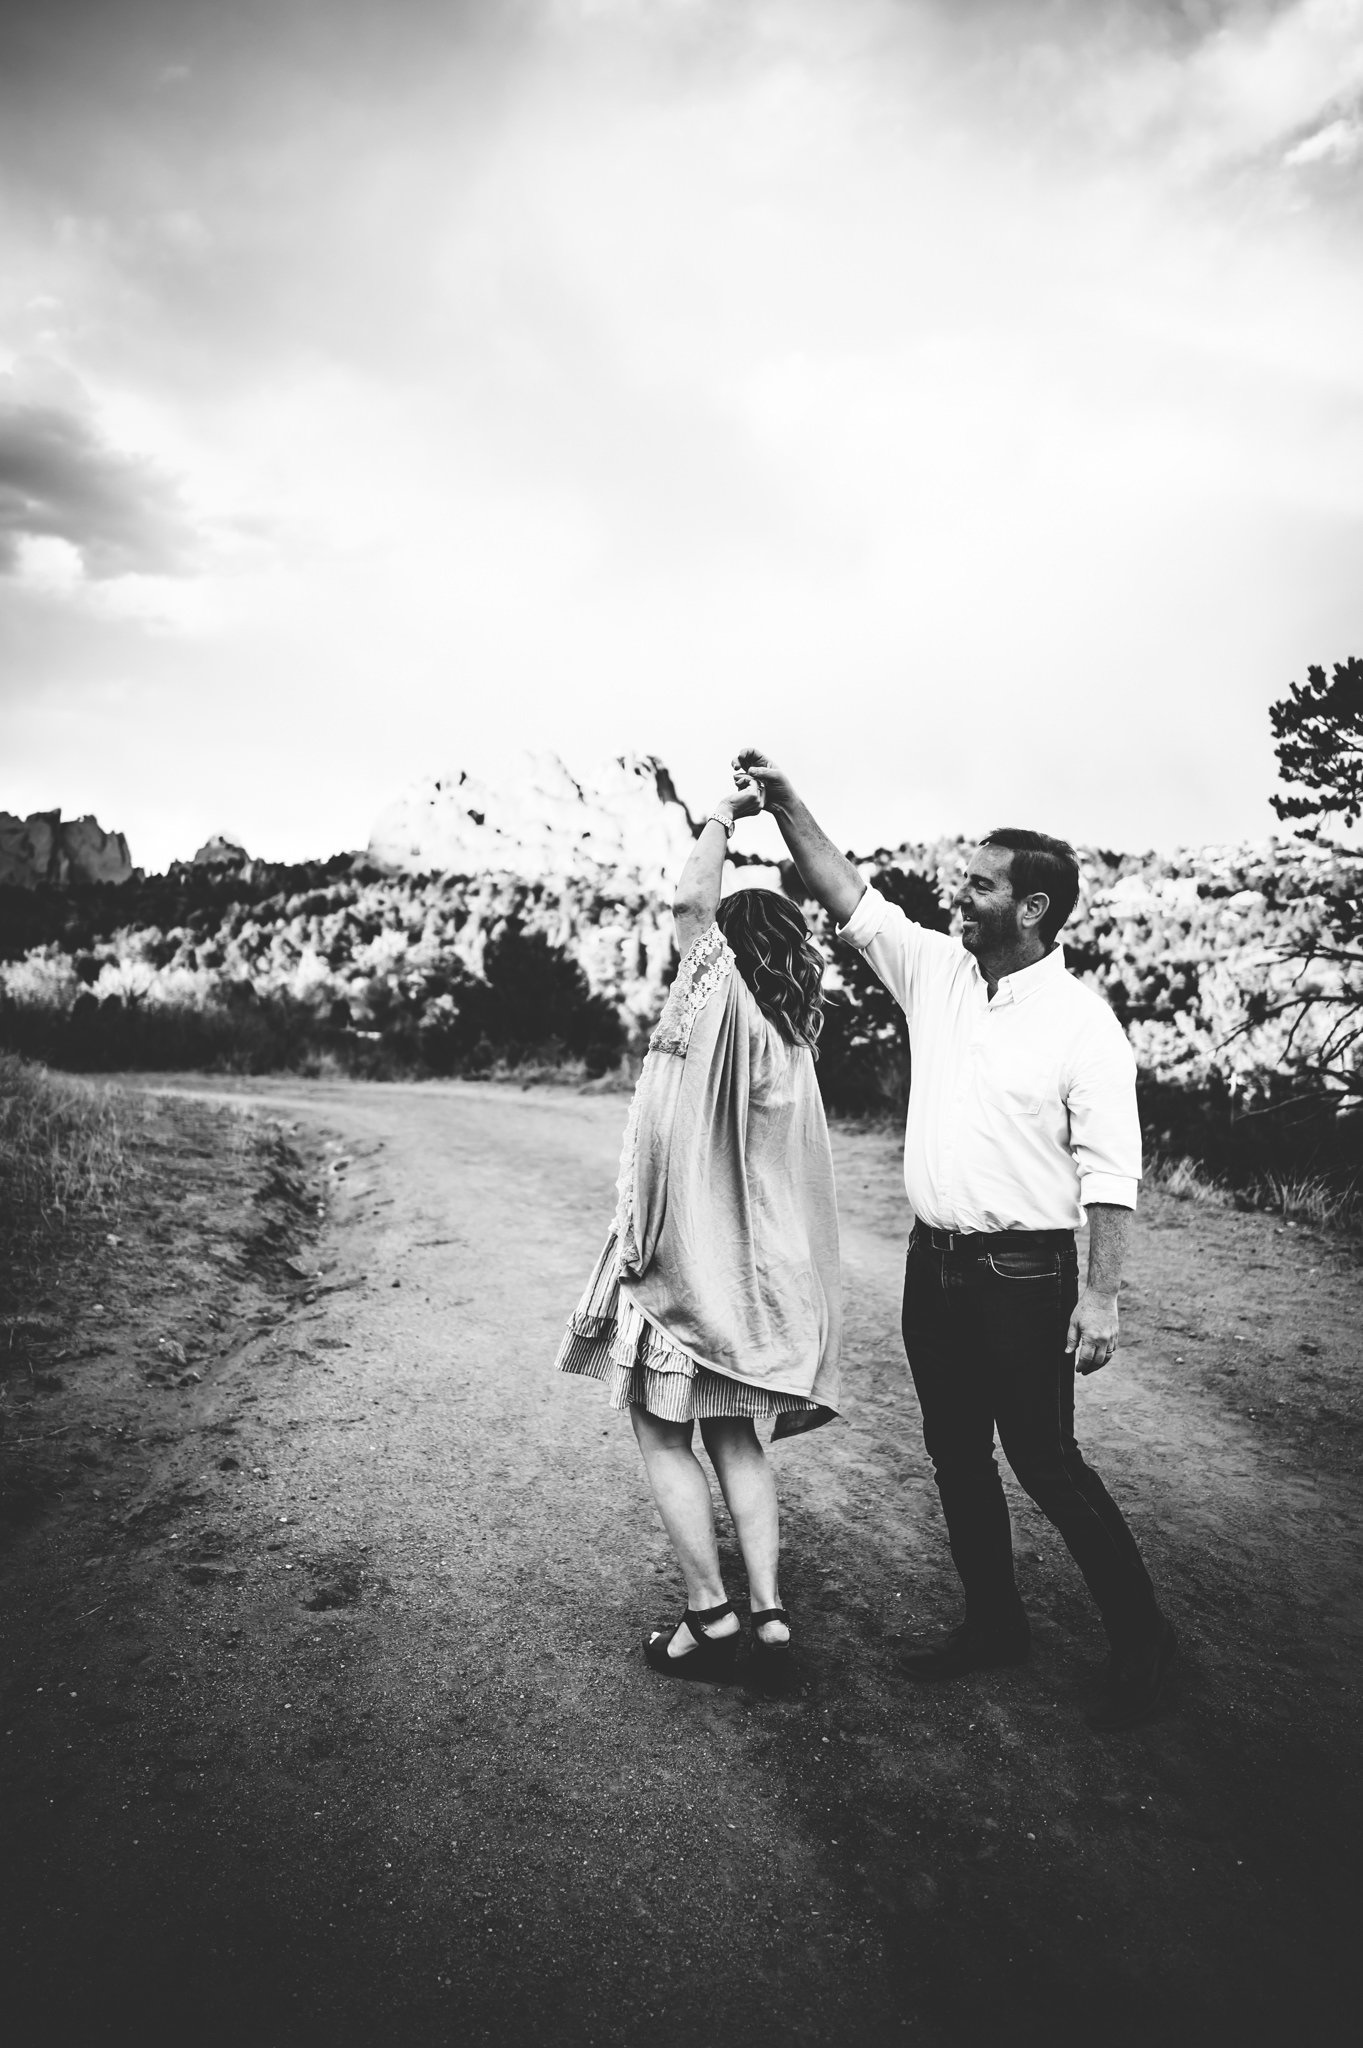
[325,1718]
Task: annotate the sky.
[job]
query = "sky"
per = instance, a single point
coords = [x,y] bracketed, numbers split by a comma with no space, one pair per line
[962,401]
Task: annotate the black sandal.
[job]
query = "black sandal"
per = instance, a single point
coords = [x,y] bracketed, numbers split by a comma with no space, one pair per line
[713,1656]
[773,1655]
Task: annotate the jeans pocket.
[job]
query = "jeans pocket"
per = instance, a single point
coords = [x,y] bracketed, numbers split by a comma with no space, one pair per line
[1031,1266]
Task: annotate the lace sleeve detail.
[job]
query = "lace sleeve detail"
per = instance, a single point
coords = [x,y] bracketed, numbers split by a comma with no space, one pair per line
[706,967]
[626,1236]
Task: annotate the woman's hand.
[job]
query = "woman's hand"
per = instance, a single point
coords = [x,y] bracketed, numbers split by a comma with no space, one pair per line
[745,801]
[752,765]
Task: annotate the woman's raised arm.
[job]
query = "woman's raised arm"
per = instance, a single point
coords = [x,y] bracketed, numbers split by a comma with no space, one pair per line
[698,889]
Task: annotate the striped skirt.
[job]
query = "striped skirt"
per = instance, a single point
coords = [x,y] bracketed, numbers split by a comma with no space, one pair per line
[608,1339]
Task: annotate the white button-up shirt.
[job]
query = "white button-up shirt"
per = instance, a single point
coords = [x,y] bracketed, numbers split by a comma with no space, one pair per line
[1021,1109]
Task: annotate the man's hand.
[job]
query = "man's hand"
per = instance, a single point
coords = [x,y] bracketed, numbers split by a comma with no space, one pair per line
[1092,1334]
[827,874]
[756,766]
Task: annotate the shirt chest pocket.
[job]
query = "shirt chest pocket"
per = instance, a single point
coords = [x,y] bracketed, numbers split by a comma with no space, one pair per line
[1016,1078]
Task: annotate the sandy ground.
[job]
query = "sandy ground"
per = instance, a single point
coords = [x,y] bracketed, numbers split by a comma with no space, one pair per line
[324,1712]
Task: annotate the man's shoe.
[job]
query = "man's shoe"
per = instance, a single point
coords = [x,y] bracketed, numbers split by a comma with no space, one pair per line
[967,1649]
[1135,1686]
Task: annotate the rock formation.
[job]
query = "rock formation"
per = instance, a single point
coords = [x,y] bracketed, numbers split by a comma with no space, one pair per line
[45,848]
[542,825]
[219,852]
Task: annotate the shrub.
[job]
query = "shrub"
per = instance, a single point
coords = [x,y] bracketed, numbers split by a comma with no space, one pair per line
[864,1047]
[536,998]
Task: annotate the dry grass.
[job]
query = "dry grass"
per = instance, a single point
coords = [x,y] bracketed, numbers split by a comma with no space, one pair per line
[1310,1198]
[1314,1199]
[1185,1180]
[62,1156]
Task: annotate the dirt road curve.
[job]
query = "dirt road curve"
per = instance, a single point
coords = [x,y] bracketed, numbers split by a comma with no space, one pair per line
[447,1803]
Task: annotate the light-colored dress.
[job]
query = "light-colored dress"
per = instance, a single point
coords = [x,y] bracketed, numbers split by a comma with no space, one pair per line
[718,1291]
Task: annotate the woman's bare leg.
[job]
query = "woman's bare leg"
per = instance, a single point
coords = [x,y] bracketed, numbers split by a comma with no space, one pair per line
[746,1481]
[682,1493]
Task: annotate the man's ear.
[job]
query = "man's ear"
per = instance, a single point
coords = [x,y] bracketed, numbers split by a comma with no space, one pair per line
[1032,909]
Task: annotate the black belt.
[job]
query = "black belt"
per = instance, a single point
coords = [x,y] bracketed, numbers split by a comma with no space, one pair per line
[993,1240]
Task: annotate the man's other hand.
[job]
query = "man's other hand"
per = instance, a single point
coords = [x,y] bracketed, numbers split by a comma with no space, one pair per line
[760,768]
[1092,1334]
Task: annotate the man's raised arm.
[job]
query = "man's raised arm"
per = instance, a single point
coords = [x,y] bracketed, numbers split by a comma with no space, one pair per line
[827,874]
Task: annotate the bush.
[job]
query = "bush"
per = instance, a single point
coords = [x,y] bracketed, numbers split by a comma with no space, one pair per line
[534,1004]
[1301,1136]
[536,999]
[864,1046]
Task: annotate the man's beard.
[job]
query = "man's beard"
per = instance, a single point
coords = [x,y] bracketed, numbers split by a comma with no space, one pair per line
[991,934]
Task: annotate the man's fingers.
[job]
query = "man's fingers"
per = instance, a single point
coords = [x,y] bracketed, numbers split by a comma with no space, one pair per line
[1072,1334]
[1094,1352]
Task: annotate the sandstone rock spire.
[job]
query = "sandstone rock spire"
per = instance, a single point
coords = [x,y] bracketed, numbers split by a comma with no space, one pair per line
[45,848]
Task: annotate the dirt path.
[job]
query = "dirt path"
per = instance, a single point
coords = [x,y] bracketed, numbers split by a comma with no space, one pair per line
[362,1749]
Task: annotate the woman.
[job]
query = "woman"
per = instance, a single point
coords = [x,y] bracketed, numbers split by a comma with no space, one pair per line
[717,1298]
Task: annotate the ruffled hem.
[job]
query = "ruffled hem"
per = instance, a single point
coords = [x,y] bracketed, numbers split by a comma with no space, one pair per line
[609,1339]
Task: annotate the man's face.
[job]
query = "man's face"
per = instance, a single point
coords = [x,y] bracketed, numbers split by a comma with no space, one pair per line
[989,910]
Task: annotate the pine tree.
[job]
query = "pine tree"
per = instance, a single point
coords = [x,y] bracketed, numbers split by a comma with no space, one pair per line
[1318,730]
[1318,736]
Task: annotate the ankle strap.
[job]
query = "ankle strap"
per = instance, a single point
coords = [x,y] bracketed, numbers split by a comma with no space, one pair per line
[769,1614]
[697,1619]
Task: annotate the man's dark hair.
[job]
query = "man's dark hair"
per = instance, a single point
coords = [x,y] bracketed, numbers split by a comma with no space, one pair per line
[1042,866]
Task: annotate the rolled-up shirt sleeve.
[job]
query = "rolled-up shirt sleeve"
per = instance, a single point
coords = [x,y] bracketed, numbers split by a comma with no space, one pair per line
[1105,1127]
[865,921]
[901,952]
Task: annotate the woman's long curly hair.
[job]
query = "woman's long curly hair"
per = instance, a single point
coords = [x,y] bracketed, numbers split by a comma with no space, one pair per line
[778,960]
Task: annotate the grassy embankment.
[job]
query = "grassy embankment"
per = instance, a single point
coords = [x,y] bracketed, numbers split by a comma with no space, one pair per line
[63,1157]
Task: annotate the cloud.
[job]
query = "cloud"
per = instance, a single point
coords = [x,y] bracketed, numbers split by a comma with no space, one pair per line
[1338,142]
[622,368]
[62,480]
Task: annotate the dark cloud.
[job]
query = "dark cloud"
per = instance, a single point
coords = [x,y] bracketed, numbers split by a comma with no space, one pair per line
[59,478]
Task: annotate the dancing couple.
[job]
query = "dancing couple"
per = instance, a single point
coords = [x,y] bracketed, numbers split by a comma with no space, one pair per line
[717,1298]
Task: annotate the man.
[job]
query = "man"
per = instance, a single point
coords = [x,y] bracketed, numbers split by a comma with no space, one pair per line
[1022,1115]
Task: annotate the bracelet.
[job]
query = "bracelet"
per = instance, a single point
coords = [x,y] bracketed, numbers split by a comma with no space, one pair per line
[717,818]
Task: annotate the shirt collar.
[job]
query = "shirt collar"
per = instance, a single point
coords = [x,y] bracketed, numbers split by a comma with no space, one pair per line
[1015,988]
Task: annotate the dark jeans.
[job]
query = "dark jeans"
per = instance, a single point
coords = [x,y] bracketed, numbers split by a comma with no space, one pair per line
[985,1337]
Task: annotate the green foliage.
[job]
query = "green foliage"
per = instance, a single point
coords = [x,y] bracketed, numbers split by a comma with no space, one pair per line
[864,1046]
[1318,734]
[1318,730]
[536,998]
[361,978]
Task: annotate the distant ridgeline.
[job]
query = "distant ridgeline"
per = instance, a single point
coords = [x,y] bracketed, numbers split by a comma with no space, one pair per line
[532,921]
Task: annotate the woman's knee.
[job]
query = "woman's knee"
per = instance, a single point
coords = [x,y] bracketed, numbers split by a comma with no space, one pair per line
[655,1434]
[730,1436]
